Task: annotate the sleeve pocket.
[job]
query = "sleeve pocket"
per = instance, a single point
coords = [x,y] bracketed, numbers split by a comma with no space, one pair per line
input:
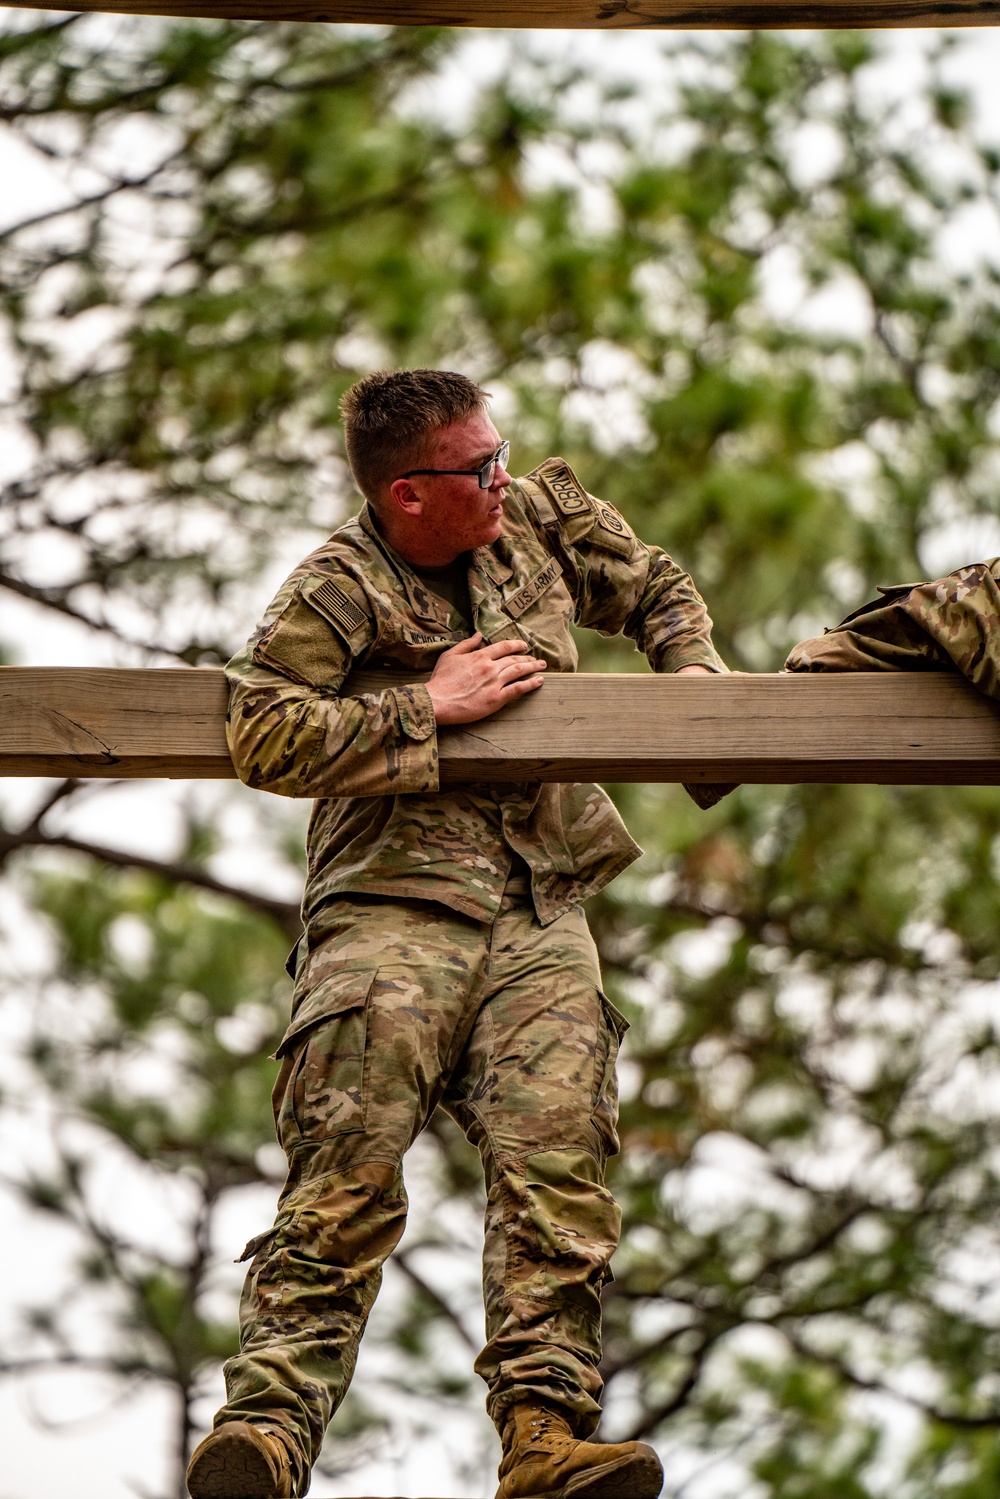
[304,645]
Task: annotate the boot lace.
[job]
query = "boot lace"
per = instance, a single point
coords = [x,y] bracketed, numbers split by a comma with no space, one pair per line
[547,1423]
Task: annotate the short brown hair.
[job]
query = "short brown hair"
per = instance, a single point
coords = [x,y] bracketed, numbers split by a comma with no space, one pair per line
[389,414]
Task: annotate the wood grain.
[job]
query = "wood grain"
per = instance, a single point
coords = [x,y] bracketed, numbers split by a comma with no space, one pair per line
[78,721]
[573,14]
[774,729]
[928,728]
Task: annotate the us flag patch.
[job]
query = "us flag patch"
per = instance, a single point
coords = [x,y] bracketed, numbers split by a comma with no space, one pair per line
[336,606]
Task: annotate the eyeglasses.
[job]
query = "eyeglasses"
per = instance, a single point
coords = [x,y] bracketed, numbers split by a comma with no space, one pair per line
[484,474]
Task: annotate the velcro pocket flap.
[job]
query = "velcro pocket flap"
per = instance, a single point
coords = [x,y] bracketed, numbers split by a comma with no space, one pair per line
[316,635]
[606,1101]
[618,1022]
[325,992]
[301,645]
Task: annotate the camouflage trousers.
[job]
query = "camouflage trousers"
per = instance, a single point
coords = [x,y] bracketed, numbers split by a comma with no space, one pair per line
[401,1006]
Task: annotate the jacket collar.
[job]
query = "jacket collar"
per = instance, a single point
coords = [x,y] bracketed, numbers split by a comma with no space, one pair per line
[417,596]
[493,562]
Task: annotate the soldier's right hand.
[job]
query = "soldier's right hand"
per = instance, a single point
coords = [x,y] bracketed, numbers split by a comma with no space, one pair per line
[471,680]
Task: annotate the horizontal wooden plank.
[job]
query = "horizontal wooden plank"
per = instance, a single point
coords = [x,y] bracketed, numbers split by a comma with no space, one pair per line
[768,729]
[574,14]
[78,721]
[869,727]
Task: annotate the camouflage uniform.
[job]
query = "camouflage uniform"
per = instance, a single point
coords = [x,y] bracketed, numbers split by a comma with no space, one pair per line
[951,624]
[446,958]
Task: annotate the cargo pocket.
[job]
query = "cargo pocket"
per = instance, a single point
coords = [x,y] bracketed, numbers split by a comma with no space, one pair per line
[298,952]
[613,1028]
[253,1247]
[323,1086]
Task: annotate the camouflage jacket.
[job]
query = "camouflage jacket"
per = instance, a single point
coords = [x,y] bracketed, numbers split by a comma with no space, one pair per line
[380,825]
[950,624]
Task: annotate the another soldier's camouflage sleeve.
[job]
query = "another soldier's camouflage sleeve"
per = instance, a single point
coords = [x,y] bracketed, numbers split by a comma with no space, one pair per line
[289,730]
[952,623]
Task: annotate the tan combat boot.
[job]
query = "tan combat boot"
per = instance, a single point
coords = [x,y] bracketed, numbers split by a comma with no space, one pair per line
[542,1459]
[240,1461]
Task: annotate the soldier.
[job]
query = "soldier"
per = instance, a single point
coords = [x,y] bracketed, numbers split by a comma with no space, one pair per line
[951,624]
[445,957]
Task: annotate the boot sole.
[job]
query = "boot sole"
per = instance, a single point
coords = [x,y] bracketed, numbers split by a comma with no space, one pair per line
[638,1477]
[232,1467]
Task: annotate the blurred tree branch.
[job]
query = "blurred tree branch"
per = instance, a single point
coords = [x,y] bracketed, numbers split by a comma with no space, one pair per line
[809,1177]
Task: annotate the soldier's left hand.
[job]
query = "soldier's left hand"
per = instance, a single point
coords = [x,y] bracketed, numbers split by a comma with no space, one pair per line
[473,680]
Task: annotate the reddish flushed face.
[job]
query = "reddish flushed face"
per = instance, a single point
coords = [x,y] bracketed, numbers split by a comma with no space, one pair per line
[446,514]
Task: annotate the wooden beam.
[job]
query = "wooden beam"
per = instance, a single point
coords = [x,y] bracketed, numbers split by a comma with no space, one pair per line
[574,14]
[78,721]
[908,729]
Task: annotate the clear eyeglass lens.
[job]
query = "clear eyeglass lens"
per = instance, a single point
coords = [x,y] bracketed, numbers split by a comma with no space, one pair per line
[489,469]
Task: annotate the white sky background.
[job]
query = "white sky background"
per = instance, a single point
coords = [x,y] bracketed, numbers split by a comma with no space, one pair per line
[123,1454]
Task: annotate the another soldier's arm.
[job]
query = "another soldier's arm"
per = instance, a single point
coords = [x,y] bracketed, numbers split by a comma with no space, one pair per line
[289,729]
[952,623]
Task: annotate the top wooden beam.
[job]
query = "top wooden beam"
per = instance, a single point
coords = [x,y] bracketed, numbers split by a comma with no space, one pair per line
[736,15]
[878,727]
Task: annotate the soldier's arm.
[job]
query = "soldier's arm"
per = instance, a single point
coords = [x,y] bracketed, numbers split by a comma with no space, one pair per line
[291,732]
[952,623]
[670,621]
[618,583]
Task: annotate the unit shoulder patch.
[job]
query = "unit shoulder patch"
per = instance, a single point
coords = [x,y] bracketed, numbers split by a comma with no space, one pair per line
[564,488]
[612,532]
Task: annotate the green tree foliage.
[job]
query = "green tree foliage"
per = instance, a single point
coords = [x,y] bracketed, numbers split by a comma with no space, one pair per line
[742,307]
[188,994]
